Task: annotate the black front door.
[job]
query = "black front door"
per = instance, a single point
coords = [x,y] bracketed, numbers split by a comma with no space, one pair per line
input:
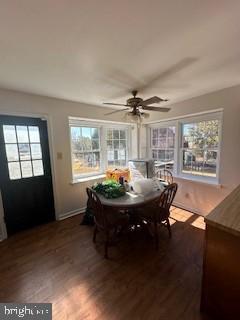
[25,173]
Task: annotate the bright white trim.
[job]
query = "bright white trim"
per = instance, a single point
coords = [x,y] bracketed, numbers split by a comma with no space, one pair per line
[71,213]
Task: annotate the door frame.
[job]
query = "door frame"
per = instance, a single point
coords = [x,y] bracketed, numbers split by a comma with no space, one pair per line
[48,119]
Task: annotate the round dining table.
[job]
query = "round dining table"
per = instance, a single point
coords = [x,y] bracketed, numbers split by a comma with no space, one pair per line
[129,200]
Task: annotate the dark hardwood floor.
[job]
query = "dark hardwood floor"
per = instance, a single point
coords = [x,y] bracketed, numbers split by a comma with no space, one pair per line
[59,263]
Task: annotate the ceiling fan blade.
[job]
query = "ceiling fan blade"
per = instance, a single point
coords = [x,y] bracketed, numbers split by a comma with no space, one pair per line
[152,100]
[107,114]
[116,104]
[156,109]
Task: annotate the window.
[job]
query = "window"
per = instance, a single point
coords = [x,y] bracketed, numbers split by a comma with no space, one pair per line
[23,150]
[97,147]
[163,141]
[116,148]
[85,150]
[199,150]
[189,147]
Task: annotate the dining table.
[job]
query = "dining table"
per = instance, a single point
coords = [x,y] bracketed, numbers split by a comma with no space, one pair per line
[130,200]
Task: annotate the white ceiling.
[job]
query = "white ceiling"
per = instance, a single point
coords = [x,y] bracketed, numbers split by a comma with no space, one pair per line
[99,50]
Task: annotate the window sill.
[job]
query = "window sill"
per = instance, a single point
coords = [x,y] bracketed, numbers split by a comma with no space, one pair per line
[89,178]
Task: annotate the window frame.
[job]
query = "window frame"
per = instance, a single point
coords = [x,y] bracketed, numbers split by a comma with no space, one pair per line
[103,127]
[178,123]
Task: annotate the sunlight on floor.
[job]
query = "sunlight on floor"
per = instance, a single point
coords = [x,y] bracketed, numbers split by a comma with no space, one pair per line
[199,223]
[180,214]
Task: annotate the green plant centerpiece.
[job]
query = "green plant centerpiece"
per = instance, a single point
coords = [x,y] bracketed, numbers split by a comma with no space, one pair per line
[110,189]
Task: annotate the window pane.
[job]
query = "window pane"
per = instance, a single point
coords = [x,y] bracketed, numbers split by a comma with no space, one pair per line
[77,145]
[170,142]
[162,132]
[86,144]
[201,134]
[37,168]
[86,163]
[26,167]
[122,134]
[116,144]
[36,151]
[95,144]
[95,133]
[210,164]
[116,157]
[193,161]
[155,142]
[162,143]
[122,144]
[12,152]
[154,133]
[75,133]
[122,154]
[86,132]
[110,155]
[116,134]
[9,134]
[24,151]
[34,134]
[109,144]
[22,134]
[14,170]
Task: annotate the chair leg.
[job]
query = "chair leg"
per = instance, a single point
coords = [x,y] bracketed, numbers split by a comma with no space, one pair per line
[106,245]
[169,228]
[95,233]
[156,234]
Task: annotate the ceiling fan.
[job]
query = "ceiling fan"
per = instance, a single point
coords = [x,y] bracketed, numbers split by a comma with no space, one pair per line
[137,105]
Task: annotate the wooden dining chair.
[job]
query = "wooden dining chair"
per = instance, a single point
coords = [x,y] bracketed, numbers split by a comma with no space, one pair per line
[106,221]
[158,212]
[165,175]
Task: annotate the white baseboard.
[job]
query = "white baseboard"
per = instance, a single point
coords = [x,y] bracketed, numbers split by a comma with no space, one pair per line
[71,213]
[194,210]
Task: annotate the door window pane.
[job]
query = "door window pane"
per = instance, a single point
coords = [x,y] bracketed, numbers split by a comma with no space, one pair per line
[9,133]
[34,134]
[14,170]
[26,167]
[37,168]
[24,151]
[22,134]
[12,152]
[36,151]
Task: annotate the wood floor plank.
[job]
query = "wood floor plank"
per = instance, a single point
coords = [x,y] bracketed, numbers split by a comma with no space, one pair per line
[59,263]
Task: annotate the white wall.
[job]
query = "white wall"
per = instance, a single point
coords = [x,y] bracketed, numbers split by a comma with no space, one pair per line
[201,197]
[69,198]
